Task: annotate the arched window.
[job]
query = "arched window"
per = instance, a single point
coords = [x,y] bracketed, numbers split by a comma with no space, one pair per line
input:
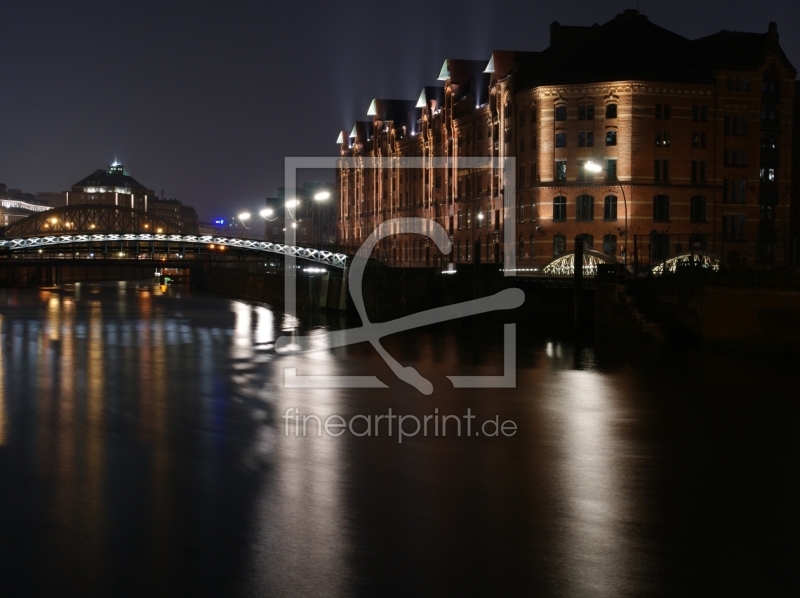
[561,139]
[521,245]
[610,244]
[532,247]
[559,245]
[610,207]
[584,207]
[611,137]
[469,217]
[611,111]
[588,240]
[561,113]
[698,208]
[560,208]
[661,208]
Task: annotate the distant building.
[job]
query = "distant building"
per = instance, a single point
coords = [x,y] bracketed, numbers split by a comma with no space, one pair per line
[16,205]
[175,211]
[313,214]
[110,186]
[114,187]
[53,199]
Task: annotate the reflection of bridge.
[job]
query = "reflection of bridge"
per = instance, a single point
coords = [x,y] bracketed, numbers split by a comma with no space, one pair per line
[101,231]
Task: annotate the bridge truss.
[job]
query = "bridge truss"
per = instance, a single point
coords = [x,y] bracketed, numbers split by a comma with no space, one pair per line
[85,229]
[169,243]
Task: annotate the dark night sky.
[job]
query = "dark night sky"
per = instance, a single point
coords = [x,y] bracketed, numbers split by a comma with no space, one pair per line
[205,99]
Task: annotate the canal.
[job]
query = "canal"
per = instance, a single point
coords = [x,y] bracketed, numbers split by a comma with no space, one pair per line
[149,446]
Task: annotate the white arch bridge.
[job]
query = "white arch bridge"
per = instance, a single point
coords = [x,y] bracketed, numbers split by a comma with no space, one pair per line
[87,230]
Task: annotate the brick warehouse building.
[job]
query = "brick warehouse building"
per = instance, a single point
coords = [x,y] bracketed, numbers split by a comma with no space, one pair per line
[693,140]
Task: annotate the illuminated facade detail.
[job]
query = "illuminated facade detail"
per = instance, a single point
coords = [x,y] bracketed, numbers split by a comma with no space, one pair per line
[695,148]
[564,265]
[698,260]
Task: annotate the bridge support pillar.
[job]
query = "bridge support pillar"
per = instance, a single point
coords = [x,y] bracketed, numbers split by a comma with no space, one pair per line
[578,279]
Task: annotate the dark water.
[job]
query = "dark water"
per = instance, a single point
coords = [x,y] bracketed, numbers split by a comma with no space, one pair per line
[143,452]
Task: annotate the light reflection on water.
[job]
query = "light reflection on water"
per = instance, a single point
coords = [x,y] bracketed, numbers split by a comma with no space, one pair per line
[141,431]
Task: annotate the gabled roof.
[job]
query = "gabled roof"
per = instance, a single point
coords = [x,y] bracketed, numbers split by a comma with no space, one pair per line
[400,112]
[502,62]
[430,94]
[740,50]
[362,131]
[103,178]
[627,47]
[468,77]
[630,47]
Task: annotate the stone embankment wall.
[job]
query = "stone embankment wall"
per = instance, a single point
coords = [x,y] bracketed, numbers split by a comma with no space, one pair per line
[761,318]
[21,276]
[391,293]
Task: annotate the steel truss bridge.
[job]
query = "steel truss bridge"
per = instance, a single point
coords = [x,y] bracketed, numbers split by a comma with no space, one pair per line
[93,230]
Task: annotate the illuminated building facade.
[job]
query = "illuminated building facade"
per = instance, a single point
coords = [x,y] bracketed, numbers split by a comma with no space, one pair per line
[110,186]
[625,135]
[16,205]
[175,211]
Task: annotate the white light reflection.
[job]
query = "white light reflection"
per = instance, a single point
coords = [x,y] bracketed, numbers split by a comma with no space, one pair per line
[595,551]
[242,346]
[264,326]
[305,499]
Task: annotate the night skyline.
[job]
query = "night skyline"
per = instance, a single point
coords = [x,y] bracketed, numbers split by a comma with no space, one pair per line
[205,101]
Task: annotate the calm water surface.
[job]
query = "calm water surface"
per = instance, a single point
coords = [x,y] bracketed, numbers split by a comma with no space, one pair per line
[143,452]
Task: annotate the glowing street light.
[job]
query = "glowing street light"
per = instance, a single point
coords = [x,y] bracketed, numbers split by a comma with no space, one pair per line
[266,213]
[595,168]
[244,216]
[292,203]
[322,196]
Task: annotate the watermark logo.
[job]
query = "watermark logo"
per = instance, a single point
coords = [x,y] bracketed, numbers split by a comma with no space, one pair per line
[374,332]
[391,424]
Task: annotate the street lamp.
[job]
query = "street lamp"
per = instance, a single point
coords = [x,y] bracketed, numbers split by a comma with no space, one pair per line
[595,168]
[244,217]
[322,196]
